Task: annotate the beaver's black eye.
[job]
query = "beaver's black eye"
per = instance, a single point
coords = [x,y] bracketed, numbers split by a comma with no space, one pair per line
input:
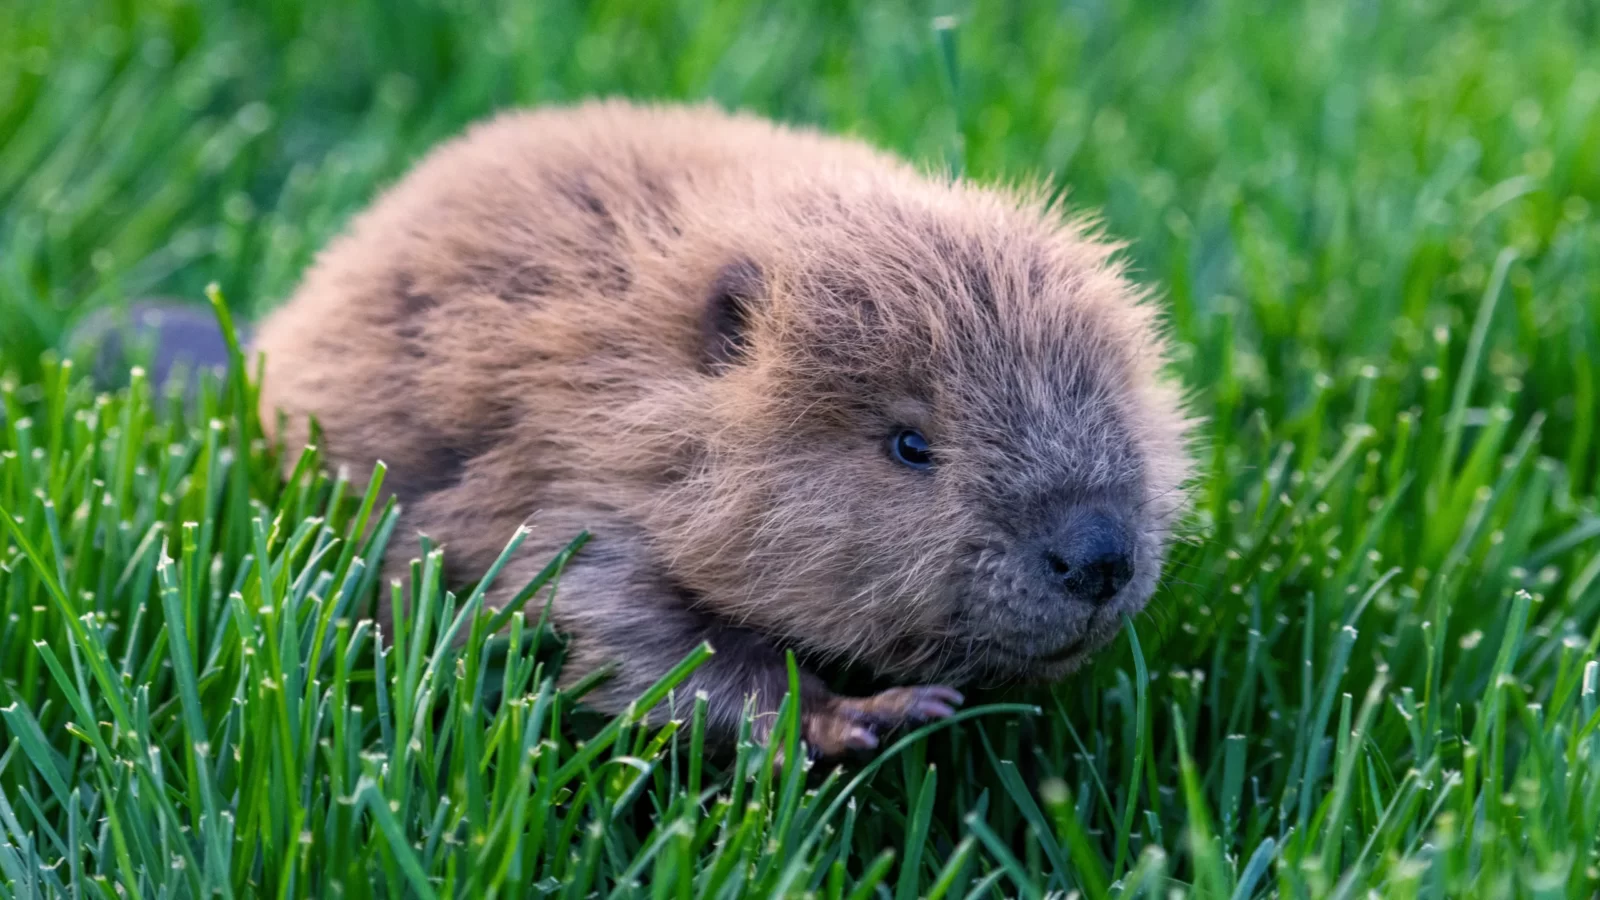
[910,448]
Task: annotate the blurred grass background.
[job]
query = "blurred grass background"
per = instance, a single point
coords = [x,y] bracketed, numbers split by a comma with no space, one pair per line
[1374,224]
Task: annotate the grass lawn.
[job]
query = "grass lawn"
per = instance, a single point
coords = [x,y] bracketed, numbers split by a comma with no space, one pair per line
[1372,671]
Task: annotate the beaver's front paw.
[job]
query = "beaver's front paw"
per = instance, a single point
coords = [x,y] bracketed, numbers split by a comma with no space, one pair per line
[848,724]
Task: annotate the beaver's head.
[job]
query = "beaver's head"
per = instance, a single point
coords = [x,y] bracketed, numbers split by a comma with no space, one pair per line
[931,436]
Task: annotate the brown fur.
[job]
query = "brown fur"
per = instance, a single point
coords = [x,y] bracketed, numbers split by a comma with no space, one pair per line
[692,333]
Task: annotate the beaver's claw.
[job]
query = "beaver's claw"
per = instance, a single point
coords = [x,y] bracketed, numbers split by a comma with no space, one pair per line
[853,724]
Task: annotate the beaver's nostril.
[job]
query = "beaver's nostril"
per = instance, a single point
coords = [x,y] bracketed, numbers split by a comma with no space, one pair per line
[1089,558]
[1106,576]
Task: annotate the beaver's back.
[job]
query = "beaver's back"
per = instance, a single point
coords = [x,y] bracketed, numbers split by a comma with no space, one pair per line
[483,319]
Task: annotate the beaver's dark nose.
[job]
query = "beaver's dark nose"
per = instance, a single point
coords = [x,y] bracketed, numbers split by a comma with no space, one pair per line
[1090,556]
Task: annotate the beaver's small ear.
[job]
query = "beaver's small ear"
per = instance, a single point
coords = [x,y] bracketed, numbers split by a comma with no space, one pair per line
[724,325]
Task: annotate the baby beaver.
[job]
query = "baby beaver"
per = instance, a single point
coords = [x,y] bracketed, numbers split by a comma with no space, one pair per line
[802,395]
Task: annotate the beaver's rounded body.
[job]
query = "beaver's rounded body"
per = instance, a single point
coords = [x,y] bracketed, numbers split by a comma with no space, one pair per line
[801,395]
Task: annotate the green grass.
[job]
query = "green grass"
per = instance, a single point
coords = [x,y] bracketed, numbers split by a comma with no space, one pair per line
[1373,671]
